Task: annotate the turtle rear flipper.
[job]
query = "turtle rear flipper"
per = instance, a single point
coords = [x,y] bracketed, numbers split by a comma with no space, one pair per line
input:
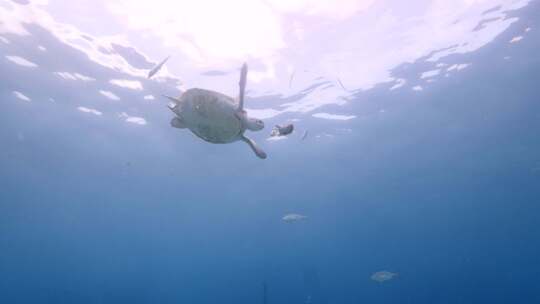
[258,151]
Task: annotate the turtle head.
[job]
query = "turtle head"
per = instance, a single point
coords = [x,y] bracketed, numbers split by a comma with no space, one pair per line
[254,124]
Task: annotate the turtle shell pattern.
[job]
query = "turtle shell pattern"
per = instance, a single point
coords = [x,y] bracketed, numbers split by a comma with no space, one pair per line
[210,115]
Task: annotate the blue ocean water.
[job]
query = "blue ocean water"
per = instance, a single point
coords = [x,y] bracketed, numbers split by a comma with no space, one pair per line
[440,185]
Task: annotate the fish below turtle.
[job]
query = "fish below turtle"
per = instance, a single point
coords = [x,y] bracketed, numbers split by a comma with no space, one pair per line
[383,276]
[215,117]
[293,217]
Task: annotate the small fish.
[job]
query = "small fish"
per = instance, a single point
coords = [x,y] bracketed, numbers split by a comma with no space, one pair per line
[158,67]
[304,136]
[382,276]
[342,86]
[292,217]
[291,79]
[265,293]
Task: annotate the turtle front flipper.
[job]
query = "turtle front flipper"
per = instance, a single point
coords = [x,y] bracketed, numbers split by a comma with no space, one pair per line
[258,151]
[174,104]
[173,99]
[242,84]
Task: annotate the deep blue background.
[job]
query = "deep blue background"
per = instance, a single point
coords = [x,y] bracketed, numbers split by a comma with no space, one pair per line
[443,188]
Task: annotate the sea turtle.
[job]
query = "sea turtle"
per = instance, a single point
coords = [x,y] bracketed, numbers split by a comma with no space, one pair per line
[215,117]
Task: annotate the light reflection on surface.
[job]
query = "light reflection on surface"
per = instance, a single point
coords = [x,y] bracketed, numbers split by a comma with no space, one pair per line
[306,53]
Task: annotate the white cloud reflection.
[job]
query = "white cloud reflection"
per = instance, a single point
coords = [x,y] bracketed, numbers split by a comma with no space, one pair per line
[399,83]
[516,39]
[109,95]
[333,116]
[90,111]
[21,96]
[133,119]
[430,74]
[22,61]
[74,76]
[458,67]
[128,84]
